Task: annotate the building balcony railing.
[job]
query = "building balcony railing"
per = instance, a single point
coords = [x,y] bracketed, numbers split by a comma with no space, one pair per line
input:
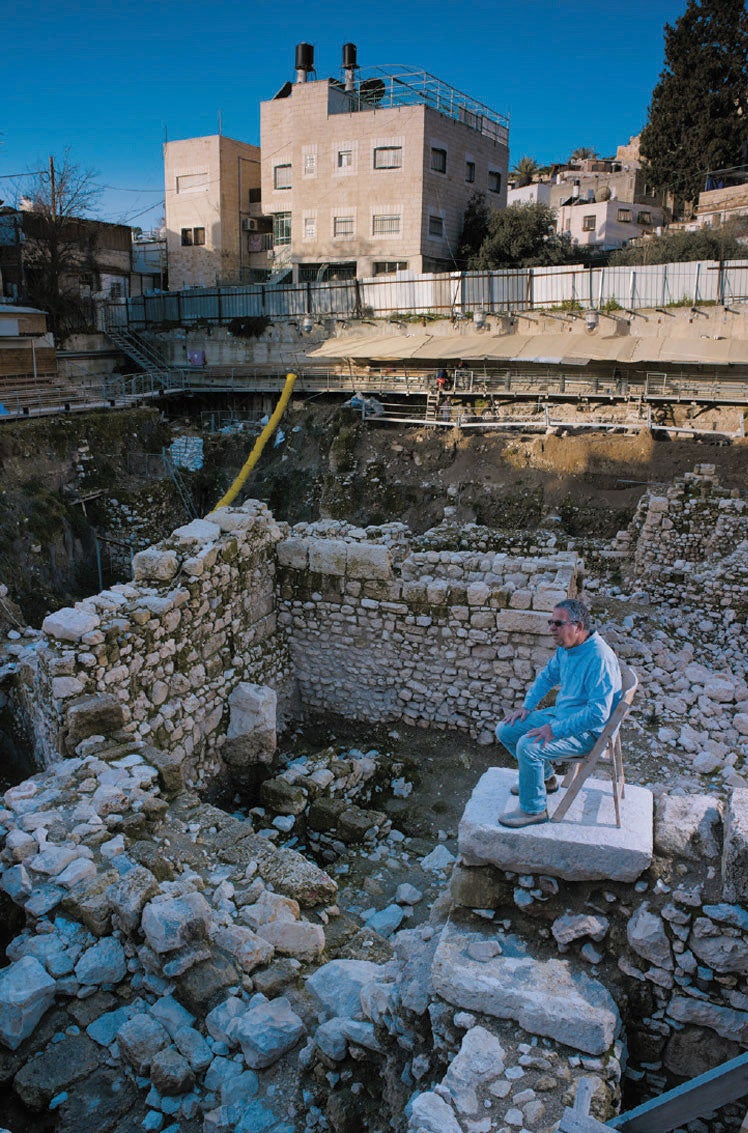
[409,86]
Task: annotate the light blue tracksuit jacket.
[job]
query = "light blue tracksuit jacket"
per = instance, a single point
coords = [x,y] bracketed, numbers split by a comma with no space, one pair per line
[590,687]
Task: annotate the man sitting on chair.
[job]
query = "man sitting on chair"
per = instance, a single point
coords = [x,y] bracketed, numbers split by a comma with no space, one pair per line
[586,671]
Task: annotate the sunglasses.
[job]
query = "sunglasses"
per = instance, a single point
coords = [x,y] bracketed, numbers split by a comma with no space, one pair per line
[556,622]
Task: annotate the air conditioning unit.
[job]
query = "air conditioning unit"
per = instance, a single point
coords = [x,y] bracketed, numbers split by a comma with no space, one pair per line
[250,224]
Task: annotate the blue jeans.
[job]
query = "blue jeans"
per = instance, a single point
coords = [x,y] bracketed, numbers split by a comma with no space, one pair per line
[535,758]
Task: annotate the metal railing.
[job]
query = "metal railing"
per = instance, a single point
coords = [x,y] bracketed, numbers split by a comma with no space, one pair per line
[456,294]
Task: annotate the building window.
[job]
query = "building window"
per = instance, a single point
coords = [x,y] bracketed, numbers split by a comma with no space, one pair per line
[436,226]
[255,196]
[494,181]
[470,171]
[345,159]
[438,160]
[588,223]
[623,216]
[192,236]
[388,267]
[386,224]
[388,157]
[343,226]
[310,227]
[282,176]
[309,167]
[282,228]
[116,290]
[644,218]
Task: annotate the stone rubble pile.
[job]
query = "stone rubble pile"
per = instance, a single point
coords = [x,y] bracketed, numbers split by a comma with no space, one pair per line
[140,915]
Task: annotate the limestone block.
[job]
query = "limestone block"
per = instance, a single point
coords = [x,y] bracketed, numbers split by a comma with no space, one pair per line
[522,621]
[172,922]
[735,849]
[293,553]
[544,997]
[267,1031]
[478,594]
[301,939]
[155,565]
[327,556]
[247,948]
[171,1073]
[431,1114]
[70,624]
[586,845]
[99,715]
[283,797]
[104,963]
[480,1061]
[140,1039]
[368,560]
[63,687]
[331,1040]
[688,826]
[26,991]
[646,935]
[725,1021]
[722,953]
[198,531]
[232,519]
[251,733]
[569,927]
[548,599]
[337,986]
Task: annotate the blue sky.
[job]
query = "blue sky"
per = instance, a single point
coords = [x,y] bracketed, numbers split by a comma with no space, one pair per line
[110,83]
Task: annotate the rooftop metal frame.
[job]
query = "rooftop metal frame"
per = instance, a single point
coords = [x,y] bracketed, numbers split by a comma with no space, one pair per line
[410,86]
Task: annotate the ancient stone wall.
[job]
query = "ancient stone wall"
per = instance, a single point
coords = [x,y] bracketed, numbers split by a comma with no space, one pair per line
[198,619]
[690,544]
[439,638]
[358,624]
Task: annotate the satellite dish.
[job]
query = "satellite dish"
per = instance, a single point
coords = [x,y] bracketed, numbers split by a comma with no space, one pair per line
[371,92]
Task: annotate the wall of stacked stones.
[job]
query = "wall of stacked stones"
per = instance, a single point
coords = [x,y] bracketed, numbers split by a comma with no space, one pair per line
[690,543]
[199,617]
[434,638]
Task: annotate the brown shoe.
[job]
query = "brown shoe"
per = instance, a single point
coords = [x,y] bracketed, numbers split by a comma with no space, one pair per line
[518,818]
[551,785]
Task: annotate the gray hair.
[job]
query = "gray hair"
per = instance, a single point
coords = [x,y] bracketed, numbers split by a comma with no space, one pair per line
[578,613]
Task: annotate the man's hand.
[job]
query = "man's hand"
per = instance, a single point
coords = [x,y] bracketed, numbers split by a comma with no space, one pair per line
[518,714]
[544,733]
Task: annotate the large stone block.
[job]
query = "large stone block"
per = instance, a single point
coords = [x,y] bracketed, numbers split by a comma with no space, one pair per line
[69,624]
[251,734]
[368,560]
[155,565]
[328,556]
[735,851]
[91,716]
[26,991]
[522,621]
[585,846]
[688,826]
[544,997]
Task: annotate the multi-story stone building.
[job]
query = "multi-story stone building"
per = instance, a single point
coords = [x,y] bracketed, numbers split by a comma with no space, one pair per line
[372,174]
[214,233]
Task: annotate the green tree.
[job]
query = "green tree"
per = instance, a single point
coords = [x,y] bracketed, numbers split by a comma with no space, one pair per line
[697,117]
[525,171]
[58,247]
[523,236]
[474,227]
[675,247]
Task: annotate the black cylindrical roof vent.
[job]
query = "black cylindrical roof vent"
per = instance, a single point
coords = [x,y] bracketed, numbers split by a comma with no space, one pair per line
[349,55]
[304,57]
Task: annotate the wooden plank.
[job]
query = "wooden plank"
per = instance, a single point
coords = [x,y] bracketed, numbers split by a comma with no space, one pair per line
[702,1095]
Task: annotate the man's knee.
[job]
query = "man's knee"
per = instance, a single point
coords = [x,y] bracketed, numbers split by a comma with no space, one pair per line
[530,749]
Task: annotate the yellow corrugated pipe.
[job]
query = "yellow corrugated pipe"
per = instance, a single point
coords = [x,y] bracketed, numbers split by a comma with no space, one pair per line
[259,444]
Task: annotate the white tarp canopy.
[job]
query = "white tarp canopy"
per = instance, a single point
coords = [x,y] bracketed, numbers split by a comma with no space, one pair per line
[570,349]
